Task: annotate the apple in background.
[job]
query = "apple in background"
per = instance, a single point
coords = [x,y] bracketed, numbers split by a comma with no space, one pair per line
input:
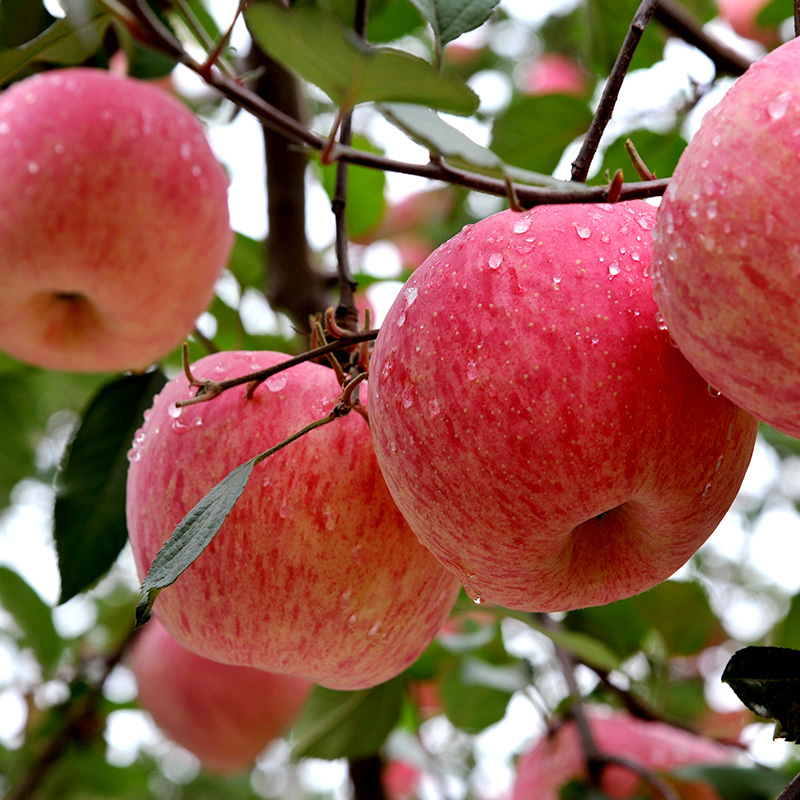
[741,16]
[553,73]
[558,758]
[113,221]
[400,780]
[726,254]
[223,714]
[315,572]
[535,425]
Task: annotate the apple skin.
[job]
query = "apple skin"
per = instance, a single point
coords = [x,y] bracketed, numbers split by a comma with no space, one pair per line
[554,73]
[114,221]
[726,254]
[557,759]
[315,572]
[223,714]
[537,429]
[741,16]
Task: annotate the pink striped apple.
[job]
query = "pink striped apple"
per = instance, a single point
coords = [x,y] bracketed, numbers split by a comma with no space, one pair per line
[726,258]
[223,714]
[315,572]
[533,421]
[558,758]
[113,221]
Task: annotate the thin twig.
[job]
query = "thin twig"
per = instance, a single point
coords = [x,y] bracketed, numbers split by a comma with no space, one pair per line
[792,791]
[674,17]
[580,166]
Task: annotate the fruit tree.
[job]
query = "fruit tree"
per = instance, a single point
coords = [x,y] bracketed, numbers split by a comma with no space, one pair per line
[399,399]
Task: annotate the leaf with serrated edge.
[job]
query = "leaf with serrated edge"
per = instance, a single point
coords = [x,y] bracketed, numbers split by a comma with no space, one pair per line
[321,51]
[450,18]
[193,534]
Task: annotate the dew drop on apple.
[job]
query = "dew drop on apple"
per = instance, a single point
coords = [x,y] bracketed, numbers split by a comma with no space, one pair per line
[352,620]
[556,282]
[583,233]
[283,511]
[522,224]
[276,383]
[408,397]
[661,323]
[401,320]
[777,108]
[495,260]
[613,269]
[410,294]
[175,411]
[179,427]
[472,370]
[434,407]
[706,490]
[714,392]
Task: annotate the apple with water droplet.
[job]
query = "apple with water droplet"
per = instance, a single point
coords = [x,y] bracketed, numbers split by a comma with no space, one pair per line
[534,423]
[113,221]
[315,572]
[726,254]
[225,715]
[558,758]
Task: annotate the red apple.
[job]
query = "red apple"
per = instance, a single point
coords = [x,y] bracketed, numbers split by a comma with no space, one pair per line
[223,714]
[533,422]
[113,221]
[553,73]
[400,780]
[741,16]
[315,572]
[726,258]
[558,758]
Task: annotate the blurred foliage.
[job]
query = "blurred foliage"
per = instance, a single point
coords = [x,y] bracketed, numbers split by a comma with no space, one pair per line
[659,652]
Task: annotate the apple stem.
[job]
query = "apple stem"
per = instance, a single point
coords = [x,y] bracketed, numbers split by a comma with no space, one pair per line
[641,168]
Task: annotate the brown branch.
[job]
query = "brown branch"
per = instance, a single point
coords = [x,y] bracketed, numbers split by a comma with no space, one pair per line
[792,791]
[677,19]
[602,116]
[365,775]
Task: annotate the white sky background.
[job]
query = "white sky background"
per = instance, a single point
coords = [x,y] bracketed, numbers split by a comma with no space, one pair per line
[25,538]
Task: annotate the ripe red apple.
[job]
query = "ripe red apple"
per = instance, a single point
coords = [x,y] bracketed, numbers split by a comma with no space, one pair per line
[558,759]
[741,16]
[113,221]
[533,422]
[315,572]
[553,73]
[223,714]
[726,255]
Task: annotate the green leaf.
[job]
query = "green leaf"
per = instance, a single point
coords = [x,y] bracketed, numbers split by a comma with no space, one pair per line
[618,625]
[90,527]
[534,131]
[388,20]
[247,261]
[735,783]
[193,534]
[365,200]
[338,724]
[450,18]
[767,681]
[427,128]
[788,629]
[773,14]
[67,42]
[20,427]
[319,49]
[33,617]
[22,20]
[476,693]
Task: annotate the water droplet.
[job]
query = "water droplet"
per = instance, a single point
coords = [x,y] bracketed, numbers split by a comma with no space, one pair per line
[401,320]
[134,454]
[661,323]
[408,397]
[613,269]
[635,256]
[716,140]
[374,630]
[434,407]
[283,512]
[707,490]
[522,224]
[495,260]
[33,167]
[344,598]
[174,411]
[352,620]
[393,446]
[777,107]
[410,294]
[645,223]
[179,427]
[712,391]
[718,465]
[584,233]
[556,282]
[473,594]
[472,370]
[595,338]
[276,382]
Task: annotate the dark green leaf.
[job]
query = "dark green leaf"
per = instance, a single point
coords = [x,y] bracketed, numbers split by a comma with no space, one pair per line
[319,49]
[767,681]
[348,724]
[247,262]
[193,534]
[90,528]
[618,625]
[773,14]
[33,617]
[66,42]
[534,131]
[365,200]
[476,693]
[388,20]
[21,21]
[788,630]
[450,18]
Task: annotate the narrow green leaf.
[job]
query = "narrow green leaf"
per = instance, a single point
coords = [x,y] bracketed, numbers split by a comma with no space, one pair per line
[193,534]
[90,528]
[450,18]
[33,617]
[65,42]
[348,724]
[319,49]
[427,128]
[767,681]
